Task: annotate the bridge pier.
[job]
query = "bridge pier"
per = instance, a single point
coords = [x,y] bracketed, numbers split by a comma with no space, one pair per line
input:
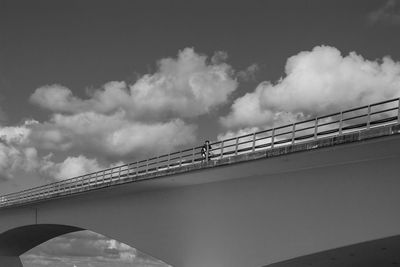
[10,261]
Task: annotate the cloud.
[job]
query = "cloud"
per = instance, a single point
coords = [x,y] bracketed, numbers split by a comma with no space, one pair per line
[388,13]
[186,86]
[317,82]
[13,159]
[18,152]
[112,136]
[118,121]
[87,248]
[15,153]
[70,167]
[15,134]
[248,74]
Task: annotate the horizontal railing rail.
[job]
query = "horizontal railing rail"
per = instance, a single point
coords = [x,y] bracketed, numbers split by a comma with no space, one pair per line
[339,123]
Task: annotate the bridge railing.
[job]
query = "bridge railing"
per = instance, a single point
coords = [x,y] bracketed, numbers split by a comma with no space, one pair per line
[355,119]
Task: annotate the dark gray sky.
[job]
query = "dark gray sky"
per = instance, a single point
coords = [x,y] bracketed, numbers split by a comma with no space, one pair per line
[186,71]
[86,43]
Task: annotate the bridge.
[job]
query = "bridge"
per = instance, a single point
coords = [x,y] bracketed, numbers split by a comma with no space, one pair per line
[320,192]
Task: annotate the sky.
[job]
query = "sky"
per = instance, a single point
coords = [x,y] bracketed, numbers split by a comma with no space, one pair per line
[87,249]
[85,85]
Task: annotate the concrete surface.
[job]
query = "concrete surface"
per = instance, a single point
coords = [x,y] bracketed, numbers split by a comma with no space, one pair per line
[246,211]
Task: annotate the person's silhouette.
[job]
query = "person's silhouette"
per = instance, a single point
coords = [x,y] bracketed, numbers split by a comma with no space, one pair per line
[205,150]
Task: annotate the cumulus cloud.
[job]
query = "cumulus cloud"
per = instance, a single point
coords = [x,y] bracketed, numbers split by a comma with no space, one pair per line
[317,82]
[13,159]
[15,154]
[388,13]
[18,153]
[70,167]
[119,121]
[186,86]
[112,136]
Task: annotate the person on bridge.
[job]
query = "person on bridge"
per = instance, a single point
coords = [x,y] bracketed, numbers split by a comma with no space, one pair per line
[206,151]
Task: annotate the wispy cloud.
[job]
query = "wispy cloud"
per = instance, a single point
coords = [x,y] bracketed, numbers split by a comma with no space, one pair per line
[388,13]
[248,74]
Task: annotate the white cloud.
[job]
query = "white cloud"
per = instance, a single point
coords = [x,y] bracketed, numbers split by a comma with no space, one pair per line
[15,153]
[13,159]
[187,86]
[388,13]
[118,121]
[317,82]
[70,167]
[240,132]
[56,97]
[16,134]
[112,136]
[122,120]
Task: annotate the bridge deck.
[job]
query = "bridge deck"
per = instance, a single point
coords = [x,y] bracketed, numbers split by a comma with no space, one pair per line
[357,124]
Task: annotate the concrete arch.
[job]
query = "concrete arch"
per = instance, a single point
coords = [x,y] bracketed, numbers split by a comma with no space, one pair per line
[19,240]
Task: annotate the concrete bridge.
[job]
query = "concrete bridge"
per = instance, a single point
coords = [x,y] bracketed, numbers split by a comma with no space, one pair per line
[323,192]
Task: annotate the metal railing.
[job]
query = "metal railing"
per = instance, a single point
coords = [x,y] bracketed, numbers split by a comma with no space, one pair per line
[356,119]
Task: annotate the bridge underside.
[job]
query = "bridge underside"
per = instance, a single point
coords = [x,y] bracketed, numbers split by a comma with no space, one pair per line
[378,253]
[21,239]
[10,261]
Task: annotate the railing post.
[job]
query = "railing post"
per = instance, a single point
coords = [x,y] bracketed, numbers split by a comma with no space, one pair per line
[398,112]
[157,163]
[169,157]
[293,132]
[341,123]
[147,165]
[137,168]
[193,155]
[236,146]
[222,150]
[207,152]
[119,173]
[254,142]
[128,171]
[180,158]
[369,116]
[272,137]
[316,129]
